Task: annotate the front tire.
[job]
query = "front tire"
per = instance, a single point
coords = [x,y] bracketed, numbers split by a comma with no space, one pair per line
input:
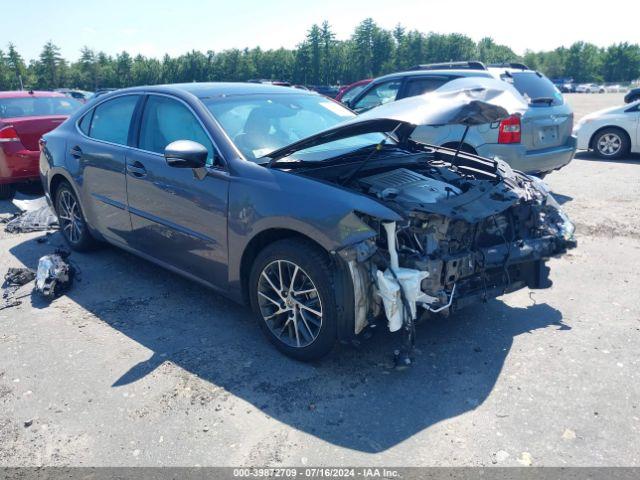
[291,288]
[611,143]
[73,224]
[7,191]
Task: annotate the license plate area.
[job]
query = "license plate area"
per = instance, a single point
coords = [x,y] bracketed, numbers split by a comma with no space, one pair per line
[547,135]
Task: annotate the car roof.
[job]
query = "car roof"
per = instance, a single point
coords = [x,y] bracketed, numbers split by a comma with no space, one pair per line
[31,93]
[434,73]
[218,89]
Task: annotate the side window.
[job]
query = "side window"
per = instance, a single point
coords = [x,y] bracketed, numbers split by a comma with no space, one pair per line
[112,119]
[418,86]
[166,120]
[378,95]
[85,123]
[353,93]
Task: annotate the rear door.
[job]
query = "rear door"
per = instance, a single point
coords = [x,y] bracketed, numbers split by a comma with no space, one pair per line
[98,158]
[549,120]
[177,218]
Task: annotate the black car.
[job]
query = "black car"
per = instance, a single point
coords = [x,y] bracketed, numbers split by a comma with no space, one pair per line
[280,198]
[632,95]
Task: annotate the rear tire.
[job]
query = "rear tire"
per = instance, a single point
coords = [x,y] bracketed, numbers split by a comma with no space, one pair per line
[611,143]
[7,191]
[285,275]
[71,219]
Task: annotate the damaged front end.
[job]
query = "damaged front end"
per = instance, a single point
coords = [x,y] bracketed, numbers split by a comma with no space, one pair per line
[473,229]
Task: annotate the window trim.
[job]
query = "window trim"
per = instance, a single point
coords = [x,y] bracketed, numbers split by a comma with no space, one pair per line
[138,127]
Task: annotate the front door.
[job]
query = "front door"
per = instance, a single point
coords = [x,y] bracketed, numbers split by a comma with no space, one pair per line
[177,218]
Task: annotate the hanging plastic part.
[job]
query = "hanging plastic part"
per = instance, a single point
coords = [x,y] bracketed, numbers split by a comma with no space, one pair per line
[400,289]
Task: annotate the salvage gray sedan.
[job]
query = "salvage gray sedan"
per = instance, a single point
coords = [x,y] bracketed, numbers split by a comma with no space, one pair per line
[277,197]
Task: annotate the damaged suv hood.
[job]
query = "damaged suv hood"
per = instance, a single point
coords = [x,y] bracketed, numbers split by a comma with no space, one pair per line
[465,101]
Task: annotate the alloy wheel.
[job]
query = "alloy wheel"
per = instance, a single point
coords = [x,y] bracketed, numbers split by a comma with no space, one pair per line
[70,217]
[609,144]
[290,303]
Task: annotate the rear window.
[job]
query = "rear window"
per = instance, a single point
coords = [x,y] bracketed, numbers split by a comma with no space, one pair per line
[532,87]
[37,106]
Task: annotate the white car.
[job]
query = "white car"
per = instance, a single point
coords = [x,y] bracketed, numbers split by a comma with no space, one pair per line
[615,89]
[589,88]
[611,133]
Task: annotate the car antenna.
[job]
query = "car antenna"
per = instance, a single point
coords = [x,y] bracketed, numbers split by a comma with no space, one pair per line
[366,160]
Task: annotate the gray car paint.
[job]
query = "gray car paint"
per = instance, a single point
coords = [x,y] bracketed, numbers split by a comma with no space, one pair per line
[198,228]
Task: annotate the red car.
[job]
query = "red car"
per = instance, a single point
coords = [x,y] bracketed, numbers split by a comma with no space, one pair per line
[24,118]
[347,93]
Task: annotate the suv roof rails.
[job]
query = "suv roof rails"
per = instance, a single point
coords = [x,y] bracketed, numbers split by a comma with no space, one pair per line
[516,65]
[473,65]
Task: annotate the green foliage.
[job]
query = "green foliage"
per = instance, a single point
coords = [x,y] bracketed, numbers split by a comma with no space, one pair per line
[319,59]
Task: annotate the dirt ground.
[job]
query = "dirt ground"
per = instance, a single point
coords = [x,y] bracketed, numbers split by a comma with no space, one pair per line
[137,366]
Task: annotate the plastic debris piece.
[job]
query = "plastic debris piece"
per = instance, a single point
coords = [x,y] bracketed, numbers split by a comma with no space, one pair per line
[39,220]
[55,275]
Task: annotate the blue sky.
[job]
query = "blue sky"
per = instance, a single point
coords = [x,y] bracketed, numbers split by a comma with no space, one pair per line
[157,27]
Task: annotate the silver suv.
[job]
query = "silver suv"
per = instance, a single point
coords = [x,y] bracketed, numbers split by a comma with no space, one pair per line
[537,143]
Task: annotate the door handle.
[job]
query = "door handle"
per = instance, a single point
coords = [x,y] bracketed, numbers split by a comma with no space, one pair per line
[76,152]
[136,169]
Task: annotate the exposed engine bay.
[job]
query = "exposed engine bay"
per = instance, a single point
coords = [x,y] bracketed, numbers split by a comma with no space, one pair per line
[473,229]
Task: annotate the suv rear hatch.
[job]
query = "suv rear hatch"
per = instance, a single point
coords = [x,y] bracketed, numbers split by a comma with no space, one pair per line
[549,120]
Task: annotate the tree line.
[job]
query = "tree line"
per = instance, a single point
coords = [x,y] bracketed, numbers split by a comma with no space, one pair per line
[320,59]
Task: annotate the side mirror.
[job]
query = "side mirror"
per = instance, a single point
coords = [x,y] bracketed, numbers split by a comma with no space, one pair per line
[186,154]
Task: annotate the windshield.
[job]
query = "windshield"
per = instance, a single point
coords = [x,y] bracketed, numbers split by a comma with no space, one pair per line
[37,106]
[259,124]
[532,86]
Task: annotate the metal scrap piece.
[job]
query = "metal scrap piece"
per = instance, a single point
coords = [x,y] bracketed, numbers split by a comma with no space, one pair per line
[13,280]
[38,220]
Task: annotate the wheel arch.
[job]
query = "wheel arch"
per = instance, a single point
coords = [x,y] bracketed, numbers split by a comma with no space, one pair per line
[606,127]
[56,180]
[258,243]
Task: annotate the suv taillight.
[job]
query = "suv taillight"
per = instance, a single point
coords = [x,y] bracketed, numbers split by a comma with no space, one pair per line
[509,130]
[8,134]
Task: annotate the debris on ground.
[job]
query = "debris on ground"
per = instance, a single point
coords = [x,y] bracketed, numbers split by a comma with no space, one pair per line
[13,280]
[525,459]
[39,220]
[55,274]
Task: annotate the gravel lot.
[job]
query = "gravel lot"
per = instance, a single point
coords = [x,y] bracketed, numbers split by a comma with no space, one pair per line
[136,366]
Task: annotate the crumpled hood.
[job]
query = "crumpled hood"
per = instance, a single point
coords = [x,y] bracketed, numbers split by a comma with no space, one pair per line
[466,101]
